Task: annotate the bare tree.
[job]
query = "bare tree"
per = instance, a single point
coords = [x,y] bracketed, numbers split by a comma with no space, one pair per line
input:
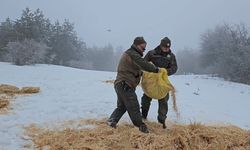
[226,51]
[27,52]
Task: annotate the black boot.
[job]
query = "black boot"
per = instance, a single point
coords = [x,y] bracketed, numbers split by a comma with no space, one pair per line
[143,128]
[111,123]
[164,125]
[162,122]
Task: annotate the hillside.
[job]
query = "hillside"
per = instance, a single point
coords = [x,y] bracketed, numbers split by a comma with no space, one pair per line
[69,94]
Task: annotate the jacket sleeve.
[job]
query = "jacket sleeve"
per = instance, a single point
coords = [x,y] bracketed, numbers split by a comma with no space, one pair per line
[148,56]
[173,66]
[143,64]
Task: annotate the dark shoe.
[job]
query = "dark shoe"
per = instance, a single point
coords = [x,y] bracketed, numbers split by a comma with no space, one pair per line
[111,124]
[143,128]
[162,122]
[164,125]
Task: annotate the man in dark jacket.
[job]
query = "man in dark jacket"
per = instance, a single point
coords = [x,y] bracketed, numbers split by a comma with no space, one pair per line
[128,77]
[162,57]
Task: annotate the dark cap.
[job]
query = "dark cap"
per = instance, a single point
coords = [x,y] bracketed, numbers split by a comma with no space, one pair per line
[139,40]
[165,42]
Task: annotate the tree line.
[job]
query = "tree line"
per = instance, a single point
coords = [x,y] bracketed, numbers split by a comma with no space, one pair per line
[33,38]
[224,52]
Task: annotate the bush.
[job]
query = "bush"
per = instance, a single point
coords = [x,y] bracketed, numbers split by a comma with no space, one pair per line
[27,52]
[226,51]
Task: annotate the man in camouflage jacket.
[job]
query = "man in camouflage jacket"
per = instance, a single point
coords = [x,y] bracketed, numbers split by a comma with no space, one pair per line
[128,77]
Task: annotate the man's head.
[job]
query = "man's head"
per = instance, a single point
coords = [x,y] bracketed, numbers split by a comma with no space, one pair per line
[140,43]
[165,44]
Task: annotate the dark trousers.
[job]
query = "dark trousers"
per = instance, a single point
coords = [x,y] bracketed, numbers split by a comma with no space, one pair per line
[162,109]
[126,101]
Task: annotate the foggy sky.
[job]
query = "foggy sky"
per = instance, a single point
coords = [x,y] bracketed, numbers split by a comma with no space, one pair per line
[181,20]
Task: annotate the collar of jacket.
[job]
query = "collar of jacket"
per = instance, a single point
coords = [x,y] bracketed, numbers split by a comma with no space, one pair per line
[135,48]
[160,52]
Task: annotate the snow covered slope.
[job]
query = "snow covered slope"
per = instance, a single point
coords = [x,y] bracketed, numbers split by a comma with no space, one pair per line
[68,93]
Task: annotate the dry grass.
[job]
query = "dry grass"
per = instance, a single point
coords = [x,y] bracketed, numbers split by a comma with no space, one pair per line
[8,93]
[126,137]
[10,90]
[109,81]
[4,103]
[29,90]
[5,100]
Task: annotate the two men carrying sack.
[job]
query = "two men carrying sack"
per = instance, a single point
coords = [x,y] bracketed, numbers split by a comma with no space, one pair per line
[128,77]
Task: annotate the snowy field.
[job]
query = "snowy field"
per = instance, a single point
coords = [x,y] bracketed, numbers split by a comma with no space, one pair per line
[71,94]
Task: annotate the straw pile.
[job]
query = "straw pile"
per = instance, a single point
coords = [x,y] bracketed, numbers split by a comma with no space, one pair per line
[126,137]
[29,90]
[3,103]
[10,89]
[8,93]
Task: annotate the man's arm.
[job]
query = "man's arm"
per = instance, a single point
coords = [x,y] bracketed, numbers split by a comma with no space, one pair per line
[142,63]
[173,66]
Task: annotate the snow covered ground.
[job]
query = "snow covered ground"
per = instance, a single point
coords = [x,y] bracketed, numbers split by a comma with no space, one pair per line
[68,94]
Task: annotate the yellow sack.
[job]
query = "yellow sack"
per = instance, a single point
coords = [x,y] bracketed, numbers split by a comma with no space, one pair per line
[156,85]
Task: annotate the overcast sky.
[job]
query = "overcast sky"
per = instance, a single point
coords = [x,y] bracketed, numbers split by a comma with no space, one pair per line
[181,20]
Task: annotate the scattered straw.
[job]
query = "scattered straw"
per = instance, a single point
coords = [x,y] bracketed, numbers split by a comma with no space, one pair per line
[29,90]
[109,81]
[8,93]
[8,89]
[4,103]
[175,107]
[179,137]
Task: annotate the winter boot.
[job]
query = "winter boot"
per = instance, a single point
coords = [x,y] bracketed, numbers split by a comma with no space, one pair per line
[162,122]
[111,123]
[143,128]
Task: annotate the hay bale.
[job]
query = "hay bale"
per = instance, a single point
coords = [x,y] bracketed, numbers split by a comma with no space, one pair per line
[30,90]
[8,89]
